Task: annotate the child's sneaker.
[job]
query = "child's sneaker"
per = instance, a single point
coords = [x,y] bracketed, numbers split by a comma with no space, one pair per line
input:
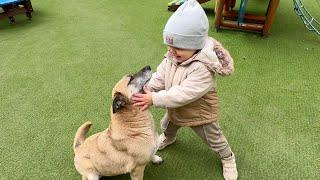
[229,168]
[164,142]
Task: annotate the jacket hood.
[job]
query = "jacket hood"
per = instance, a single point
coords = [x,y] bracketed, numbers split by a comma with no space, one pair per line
[214,56]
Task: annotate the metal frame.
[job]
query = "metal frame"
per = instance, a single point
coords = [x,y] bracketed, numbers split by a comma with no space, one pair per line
[309,21]
[242,11]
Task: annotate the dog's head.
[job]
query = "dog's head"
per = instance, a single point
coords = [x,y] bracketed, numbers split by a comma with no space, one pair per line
[129,85]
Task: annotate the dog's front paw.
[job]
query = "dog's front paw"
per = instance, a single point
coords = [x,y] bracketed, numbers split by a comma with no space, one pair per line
[157,159]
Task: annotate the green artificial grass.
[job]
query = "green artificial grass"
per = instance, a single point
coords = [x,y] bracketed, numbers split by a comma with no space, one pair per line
[57,71]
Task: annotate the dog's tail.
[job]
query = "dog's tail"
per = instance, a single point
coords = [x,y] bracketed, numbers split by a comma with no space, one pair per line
[81,134]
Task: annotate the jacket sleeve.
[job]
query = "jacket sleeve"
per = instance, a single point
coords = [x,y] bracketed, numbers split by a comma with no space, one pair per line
[197,84]
[157,80]
[225,67]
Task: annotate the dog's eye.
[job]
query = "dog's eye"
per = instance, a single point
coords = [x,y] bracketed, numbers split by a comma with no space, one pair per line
[131,78]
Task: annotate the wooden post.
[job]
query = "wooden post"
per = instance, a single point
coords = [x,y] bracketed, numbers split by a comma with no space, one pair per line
[233,3]
[271,12]
[219,10]
[28,7]
[227,5]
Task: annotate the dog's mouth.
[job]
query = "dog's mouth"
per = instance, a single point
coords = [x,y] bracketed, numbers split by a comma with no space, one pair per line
[139,80]
[142,88]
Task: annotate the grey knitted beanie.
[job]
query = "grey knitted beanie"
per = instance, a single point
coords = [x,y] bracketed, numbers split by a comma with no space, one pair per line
[188,27]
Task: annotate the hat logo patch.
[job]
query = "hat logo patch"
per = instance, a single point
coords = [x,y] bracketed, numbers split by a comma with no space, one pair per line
[169,40]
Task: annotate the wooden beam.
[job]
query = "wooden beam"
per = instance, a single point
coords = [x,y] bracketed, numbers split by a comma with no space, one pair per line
[243,26]
[234,15]
[12,12]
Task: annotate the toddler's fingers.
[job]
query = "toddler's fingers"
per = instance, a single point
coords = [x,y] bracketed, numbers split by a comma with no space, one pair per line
[137,95]
[136,98]
[144,107]
[139,104]
[133,101]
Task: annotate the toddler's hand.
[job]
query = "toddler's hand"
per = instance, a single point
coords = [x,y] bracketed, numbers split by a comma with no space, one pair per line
[144,100]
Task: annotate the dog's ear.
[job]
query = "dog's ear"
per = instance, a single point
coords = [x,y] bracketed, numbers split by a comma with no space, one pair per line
[119,102]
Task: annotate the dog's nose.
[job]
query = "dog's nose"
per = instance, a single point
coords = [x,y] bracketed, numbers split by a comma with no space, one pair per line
[147,68]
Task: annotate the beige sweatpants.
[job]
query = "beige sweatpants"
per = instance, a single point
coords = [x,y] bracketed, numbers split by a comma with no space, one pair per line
[210,134]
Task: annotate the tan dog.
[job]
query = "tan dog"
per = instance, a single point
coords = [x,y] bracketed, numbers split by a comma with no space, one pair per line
[128,144]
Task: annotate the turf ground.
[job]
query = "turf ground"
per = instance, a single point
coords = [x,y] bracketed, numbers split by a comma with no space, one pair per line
[58,70]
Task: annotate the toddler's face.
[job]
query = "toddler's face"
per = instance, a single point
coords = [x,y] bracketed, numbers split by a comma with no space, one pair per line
[179,54]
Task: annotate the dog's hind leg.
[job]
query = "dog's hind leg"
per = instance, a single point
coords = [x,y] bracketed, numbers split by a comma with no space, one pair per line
[137,173]
[156,159]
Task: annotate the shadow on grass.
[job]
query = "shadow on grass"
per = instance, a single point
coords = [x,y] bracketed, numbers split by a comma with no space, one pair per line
[209,11]
[177,159]
[120,177]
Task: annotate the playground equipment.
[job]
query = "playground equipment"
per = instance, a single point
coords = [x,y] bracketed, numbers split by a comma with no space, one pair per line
[309,21]
[12,8]
[229,18]
[225,16]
